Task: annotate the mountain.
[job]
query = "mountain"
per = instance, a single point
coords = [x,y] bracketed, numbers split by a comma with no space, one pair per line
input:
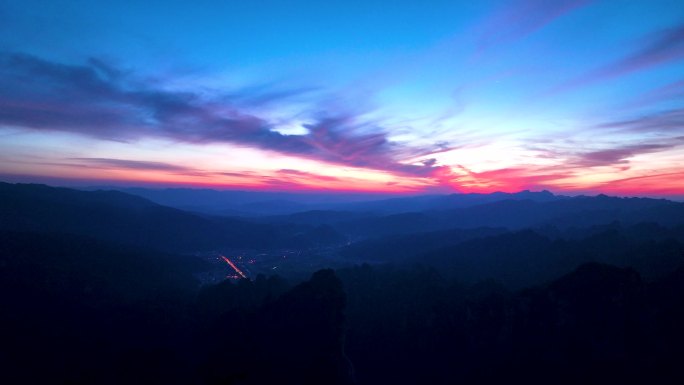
[120,217]
[97,287]
[447,202]
[321,217]
[297,338]
[525,258]
[247,203]
[577,211]
[517,214]
[260,203]
[88,269]
[392,248]
[129,219]
[595,324]
[88,310]
[96,312]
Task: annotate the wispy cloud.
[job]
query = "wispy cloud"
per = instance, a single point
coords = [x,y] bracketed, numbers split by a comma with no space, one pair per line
[101,101]
[284,179]
[504,179]
[673,91]
[133,164]
[620,155]
[668,183]
[524,17]
[661,48]
[307,175]
[666,46]
[266,94]
[665,122]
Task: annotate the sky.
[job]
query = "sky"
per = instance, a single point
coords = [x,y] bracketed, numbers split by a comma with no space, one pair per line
[572,96]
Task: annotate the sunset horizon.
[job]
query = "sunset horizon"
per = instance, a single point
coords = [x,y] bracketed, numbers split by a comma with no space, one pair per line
[486,97]
[341,192]
[301,190]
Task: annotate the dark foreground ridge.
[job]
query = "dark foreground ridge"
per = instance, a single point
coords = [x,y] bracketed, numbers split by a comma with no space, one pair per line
[107,288]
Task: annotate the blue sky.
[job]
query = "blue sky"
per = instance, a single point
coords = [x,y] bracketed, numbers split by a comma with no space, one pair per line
[577,95]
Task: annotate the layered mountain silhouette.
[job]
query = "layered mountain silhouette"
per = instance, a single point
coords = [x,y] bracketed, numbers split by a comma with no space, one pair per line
[102,287]
[125,218]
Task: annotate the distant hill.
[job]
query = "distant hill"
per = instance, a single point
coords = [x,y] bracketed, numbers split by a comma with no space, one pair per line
[125,218]
[248,203]
[88,270]
[577,211]
[392,248]
[95,288]
[527,258]
[516,214]
[451,201]
[260,203]
[122,217]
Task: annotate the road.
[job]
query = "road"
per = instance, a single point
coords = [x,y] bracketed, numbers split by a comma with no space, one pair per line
[231,264]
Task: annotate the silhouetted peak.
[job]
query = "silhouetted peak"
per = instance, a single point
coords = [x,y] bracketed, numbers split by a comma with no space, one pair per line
[325,282]
[594,281]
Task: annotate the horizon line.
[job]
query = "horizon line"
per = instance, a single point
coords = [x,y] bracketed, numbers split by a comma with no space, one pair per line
[81,184]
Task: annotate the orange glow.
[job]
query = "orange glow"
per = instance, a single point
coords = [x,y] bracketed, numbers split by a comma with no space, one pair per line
[665,184]
[483,169]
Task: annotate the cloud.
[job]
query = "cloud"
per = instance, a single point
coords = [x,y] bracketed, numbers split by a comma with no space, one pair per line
[667,122]
[269,93]
[666,47]
[669,92]
[284,178]
[99,100]
[134,165]
[243,174]
[662,48]
[663,184]
[619,155]
[342,140]
[524,17]
[287,173]
[509,179]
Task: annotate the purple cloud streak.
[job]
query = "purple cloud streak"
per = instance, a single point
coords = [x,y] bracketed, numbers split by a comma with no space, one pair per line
[665,47]
[524,17]
[614,156]
[98,100]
